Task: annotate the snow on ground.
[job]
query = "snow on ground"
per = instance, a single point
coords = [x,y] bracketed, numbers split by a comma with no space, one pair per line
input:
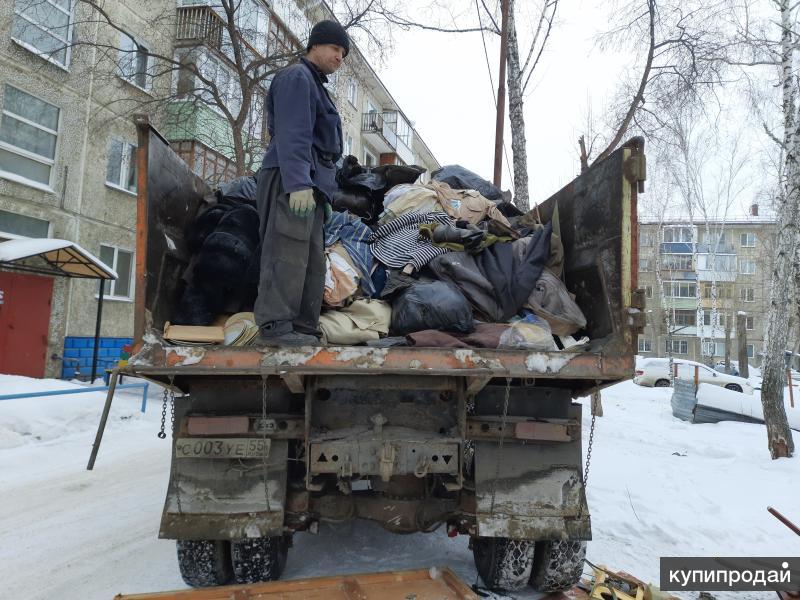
[657,487]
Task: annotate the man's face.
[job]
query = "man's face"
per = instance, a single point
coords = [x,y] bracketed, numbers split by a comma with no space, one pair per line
[328,57]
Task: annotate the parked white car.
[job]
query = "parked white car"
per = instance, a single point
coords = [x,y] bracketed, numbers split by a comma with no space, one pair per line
[654,372]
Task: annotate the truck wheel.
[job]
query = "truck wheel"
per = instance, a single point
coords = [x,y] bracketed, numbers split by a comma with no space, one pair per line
[734,387]
[259,559]
[557,565]
[204,563]
[503,564]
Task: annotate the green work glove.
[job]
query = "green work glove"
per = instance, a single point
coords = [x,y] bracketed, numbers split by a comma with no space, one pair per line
[302,202]
[328,212]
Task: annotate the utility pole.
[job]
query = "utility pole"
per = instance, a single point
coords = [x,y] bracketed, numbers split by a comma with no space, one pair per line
[501,95]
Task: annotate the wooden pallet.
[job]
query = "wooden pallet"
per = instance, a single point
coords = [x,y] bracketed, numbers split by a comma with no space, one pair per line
[436,583]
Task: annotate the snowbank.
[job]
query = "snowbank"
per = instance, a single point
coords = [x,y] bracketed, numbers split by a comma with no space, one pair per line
[717,397]
[27,420]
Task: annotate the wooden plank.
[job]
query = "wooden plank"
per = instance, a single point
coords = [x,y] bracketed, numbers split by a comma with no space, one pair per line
[438,583]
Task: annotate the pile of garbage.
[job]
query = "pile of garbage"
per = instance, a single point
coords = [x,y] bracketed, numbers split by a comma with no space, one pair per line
[447,263]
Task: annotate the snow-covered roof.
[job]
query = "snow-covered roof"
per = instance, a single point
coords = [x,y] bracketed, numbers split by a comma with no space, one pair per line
[65,257]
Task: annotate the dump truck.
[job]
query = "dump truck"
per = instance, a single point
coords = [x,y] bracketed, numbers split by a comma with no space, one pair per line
[270,442]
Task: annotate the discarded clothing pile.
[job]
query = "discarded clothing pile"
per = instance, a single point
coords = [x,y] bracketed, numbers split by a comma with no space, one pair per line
[440,264]
[448,262]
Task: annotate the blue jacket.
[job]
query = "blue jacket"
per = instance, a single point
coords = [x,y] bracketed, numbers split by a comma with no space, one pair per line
[305,130]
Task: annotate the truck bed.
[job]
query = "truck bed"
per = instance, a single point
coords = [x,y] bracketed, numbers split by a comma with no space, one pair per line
[595,217]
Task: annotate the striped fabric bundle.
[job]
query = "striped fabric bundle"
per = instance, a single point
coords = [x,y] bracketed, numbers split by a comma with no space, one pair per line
[398,242]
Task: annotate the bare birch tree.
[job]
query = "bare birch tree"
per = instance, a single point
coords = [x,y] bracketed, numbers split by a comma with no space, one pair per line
[677,45]
[771,41]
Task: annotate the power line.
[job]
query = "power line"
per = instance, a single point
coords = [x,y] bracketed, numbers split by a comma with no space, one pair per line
[494,94]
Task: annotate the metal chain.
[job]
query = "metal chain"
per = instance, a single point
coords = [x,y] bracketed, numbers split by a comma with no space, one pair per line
[264,465]
[589,453]
[162,434]
[500,443]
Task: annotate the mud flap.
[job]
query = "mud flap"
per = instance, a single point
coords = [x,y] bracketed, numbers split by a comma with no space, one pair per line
[531,491]
[226,499]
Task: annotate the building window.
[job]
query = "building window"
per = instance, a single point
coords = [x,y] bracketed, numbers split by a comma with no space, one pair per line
[747,294]
[677,346]
[679,289]
[714,238]
[648,291]
[751,351]
[645,264]
[352,93]
[43,27]
[723,291]
[685,318]
[645,238]
[677,262]
[749,323]
[370,160]
[22,225]
[121,165]
[333,82]
[747,267]
[135,62]
[28,136]
[348,145]
[747,240]
[645,344]
[707,319]
[122,262]
[720,262]
[678,234]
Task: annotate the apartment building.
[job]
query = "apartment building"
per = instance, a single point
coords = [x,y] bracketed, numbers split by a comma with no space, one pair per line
[69,85]
[697,277]
[66,160]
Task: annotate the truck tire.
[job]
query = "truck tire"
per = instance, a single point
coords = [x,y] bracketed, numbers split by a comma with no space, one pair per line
[503,564]
[259,559]
[204,563]
[557,565]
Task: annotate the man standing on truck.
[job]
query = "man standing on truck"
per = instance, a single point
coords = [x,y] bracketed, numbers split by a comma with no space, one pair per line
[295,185]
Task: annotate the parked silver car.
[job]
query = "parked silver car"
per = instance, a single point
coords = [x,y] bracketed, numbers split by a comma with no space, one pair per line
[654,372]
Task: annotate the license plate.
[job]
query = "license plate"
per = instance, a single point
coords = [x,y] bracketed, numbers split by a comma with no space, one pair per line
[222,447]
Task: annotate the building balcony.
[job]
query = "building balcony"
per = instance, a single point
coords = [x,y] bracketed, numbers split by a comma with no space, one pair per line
[718,249]
[681,303]
[676,248]
[720,276]
[199,25]
[380,132]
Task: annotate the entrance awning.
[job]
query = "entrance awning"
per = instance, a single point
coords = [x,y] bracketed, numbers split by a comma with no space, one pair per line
[63,258]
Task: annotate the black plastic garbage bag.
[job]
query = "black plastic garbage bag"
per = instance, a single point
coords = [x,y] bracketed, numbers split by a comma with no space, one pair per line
[357,202]
[242,189]
[360,186]
[459,178]
[431,305]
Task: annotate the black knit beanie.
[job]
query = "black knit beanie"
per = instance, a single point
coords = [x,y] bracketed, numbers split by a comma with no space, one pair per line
[329,32]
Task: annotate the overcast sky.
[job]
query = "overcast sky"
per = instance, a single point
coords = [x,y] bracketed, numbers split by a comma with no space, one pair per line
[442,84]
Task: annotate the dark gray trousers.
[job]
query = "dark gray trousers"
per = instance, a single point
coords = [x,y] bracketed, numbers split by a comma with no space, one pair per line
[292,261]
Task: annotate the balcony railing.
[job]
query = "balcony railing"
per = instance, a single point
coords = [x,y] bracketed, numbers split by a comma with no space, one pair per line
[372,122]
[200,24]
[380,130]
